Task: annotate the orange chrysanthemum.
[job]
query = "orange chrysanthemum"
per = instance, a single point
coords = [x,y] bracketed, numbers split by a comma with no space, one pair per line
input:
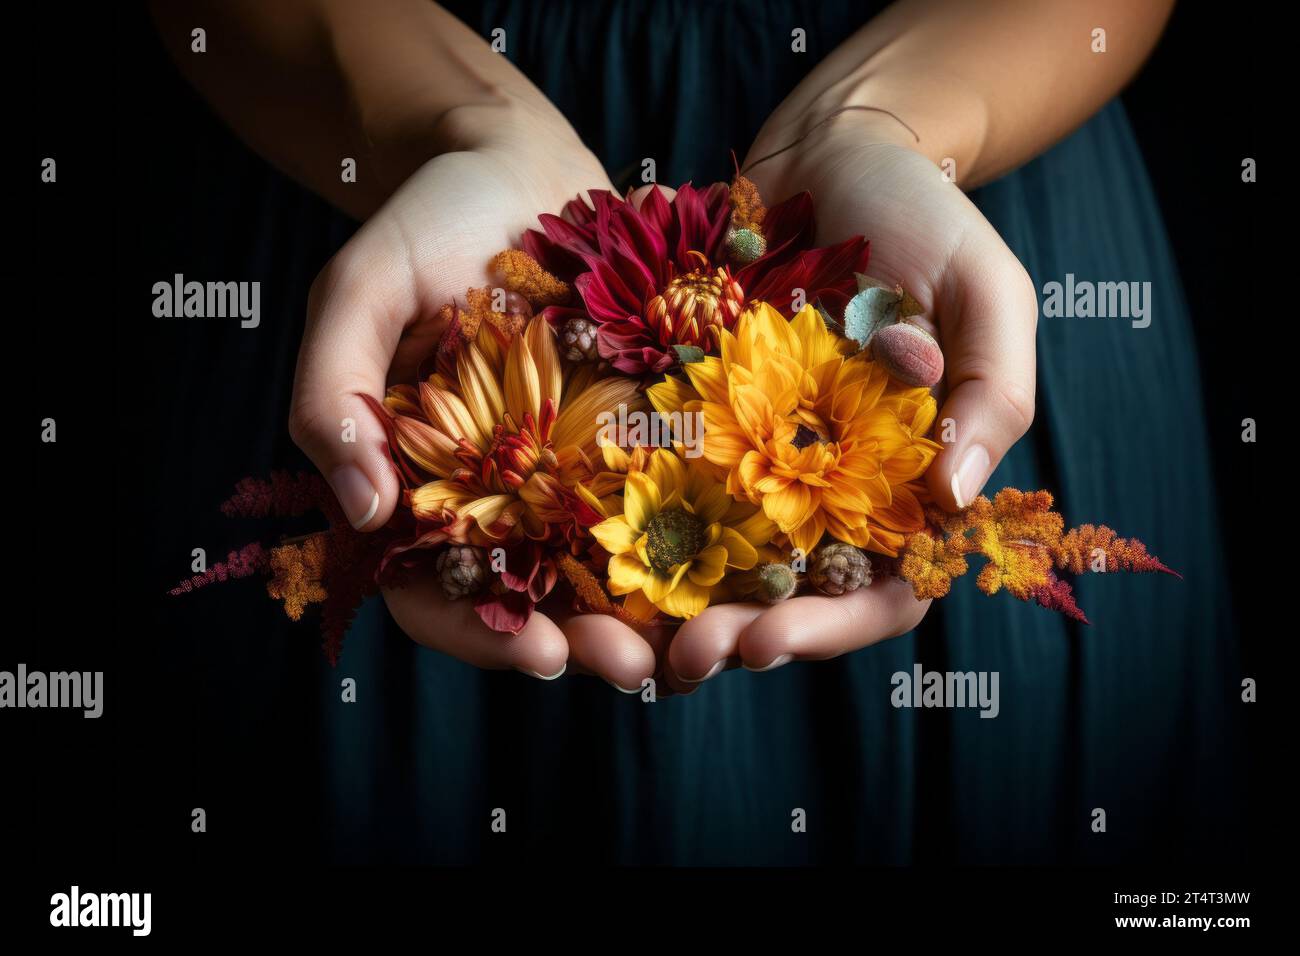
[502,446]
[823,442]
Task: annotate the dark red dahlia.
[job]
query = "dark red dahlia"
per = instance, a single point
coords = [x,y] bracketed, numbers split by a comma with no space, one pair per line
[660,276]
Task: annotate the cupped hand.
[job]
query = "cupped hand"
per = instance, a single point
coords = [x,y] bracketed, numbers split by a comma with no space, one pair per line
[372,319]
[866,178]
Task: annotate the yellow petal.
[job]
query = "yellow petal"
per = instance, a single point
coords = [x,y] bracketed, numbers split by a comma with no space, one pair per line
[685,601]
[429,500]
[706,495]
[616,459]
[857,535]
[478,383]
[724,440]
[740,553]
[668,472]
[429,448]
[808,535]
[577,421]
[447,413]
[773,331]
[626,574]
[541,343]
[710,565]
[817,344]
[753,468]
[594,500]
[757,528]
[671,395]
[639,606]
[709,379]
[640,500]
[615,535]
[487,510]
[656,585]
[403,400]
[523,385]
[789,507]
[753,412]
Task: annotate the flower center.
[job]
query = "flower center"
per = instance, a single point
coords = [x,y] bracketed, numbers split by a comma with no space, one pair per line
[672,537]
[696,306]
[804,436]
[515,452]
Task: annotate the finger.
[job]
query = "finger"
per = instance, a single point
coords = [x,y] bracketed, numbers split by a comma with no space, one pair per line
[454,628]
[637,196]
[610,649]
[815,628]
[355,313]
[703,645]
[987,325]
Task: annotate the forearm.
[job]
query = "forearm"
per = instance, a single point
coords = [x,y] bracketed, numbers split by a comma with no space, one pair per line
[987,85]
[389,83]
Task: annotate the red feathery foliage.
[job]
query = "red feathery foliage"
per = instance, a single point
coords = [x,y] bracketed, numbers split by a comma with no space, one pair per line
[283,496]
[340,578]
[351,562]
[1057,595]
[249,560]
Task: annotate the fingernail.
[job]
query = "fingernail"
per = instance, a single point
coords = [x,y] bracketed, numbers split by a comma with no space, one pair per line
[358,497]
[559,673]
[783,659]
[716,668]
[622,690]
[970,475]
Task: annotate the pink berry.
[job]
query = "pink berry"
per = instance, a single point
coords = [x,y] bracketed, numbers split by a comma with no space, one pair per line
[909,354]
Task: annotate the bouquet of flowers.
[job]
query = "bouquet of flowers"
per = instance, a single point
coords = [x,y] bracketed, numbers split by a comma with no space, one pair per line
[662,407]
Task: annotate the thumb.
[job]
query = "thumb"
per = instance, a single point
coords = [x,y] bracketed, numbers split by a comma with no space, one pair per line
[987,324]
[355,314]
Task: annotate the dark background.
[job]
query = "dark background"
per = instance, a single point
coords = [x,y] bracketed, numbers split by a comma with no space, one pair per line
[148,179]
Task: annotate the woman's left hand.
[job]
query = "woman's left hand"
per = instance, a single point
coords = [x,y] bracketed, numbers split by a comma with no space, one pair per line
[928,237]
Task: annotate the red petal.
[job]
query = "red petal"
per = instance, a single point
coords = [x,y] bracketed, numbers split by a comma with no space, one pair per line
[505,613]
[404,471]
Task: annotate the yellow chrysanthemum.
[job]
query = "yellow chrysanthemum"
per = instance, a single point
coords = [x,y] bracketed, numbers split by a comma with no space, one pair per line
[679,534]
[823,442]
[503,441]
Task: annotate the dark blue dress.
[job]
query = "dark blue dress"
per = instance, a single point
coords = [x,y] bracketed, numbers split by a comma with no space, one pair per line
[1132,715]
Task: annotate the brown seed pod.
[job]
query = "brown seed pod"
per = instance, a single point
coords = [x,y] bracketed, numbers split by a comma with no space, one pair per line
[838,568]
[461,570]
[908,353]
[578,340]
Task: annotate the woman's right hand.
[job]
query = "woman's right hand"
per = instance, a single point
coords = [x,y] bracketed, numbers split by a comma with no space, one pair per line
[372,318]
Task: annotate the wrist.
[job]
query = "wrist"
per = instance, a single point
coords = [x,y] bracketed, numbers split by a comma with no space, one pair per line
[929,116]
[525,135]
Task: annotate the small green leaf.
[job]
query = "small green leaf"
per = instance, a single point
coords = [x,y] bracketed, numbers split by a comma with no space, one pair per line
[868,312]
[687,354]
[907,306]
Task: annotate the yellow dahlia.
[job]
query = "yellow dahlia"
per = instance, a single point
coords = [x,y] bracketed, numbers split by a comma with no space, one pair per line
[498,449]
[823,442]
[675,534]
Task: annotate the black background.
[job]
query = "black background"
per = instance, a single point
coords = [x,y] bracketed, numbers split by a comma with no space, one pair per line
[107,512]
